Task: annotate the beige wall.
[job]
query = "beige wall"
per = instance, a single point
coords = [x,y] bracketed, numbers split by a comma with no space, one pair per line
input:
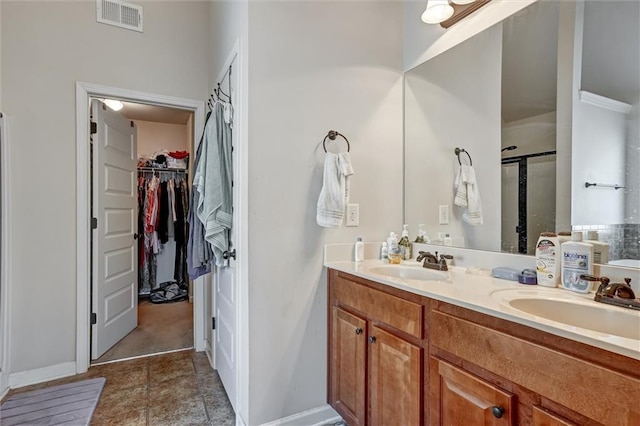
[154,137]
[315,66]
[46,48]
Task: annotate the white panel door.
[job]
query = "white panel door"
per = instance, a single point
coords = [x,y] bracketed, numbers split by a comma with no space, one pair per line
[226,293]
[114,286]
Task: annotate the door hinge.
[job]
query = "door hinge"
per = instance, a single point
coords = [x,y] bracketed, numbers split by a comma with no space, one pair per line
[94,318]
[94,223]
[213,323]
[94,128]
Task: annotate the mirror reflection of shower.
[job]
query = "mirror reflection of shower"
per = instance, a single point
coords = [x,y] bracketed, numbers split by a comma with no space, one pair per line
[509,148]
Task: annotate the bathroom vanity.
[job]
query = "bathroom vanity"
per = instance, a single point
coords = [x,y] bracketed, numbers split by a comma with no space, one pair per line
[456,349]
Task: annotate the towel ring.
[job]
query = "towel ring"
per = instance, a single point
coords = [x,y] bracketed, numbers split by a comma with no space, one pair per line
[458,151]
[332,135]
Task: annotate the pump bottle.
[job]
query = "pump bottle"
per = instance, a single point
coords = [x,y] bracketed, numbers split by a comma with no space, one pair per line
[405,244]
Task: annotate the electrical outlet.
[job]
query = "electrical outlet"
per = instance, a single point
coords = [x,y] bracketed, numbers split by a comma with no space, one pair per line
[443,211]
[353,214]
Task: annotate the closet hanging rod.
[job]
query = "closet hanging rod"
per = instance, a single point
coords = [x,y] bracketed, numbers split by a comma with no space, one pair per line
[161,169]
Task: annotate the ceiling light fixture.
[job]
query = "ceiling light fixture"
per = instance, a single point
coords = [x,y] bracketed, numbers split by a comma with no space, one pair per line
[448,12]
[437,11]
[114,104]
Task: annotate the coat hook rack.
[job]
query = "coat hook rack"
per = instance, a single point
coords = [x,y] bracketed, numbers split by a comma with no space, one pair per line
[332,135]
[459,151]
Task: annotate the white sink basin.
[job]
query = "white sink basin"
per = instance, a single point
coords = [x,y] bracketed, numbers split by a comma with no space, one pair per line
[408,272]
[583,314]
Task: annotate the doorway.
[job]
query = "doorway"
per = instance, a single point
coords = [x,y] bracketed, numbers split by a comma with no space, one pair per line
[85,91]
[140,168]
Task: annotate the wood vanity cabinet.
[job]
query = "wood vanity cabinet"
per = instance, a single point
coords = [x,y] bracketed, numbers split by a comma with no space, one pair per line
[396,358]
[375,354]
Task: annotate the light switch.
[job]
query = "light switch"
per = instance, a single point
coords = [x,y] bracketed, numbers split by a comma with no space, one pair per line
[443,215]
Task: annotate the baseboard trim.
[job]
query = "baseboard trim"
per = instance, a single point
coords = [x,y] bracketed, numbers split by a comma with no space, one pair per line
[314,417]
[4,393]
[39,375]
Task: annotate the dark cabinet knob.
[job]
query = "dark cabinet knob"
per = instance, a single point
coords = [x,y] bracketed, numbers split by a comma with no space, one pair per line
[227,254]
[135,236]
[497,411]
[372,339]
[358,330]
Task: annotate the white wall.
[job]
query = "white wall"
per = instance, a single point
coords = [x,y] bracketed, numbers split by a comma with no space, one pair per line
[599,139]
[432,132]
[62,44]
[154,137]
[531,135]
[632,201]
[315,66]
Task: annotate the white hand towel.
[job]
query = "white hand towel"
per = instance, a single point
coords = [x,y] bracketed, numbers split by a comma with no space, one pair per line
[468,195]
[335,190]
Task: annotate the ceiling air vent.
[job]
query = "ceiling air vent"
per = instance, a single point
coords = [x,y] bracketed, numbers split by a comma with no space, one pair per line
[120,14]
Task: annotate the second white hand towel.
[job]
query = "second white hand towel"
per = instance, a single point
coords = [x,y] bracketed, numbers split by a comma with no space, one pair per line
[335,190]
[468,195]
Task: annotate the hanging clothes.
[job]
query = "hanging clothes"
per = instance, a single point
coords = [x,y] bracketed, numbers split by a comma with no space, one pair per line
[161,214]
[199,253]
[213,181]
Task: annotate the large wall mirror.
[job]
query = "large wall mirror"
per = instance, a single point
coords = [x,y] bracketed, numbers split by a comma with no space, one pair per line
[546,104]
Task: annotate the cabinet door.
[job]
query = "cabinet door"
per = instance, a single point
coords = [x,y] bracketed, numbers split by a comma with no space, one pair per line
[348,366]
[542,417]
[395,373]
[466,400]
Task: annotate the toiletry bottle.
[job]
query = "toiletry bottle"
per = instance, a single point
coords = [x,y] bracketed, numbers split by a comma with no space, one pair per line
[548,260]
[420,239]
[577,259]
[563,237]
[392,243]
[359,250]
[600,248]
[447,241]
[405,244]
[384,252]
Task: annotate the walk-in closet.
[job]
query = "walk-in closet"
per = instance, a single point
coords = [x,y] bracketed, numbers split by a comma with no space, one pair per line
[163,138]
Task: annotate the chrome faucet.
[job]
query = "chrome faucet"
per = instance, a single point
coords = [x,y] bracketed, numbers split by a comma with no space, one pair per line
[431,261]
[618,294]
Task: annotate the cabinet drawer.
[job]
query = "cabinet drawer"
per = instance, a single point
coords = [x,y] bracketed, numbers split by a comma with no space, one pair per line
[401,314]
[569,381]
[467,400]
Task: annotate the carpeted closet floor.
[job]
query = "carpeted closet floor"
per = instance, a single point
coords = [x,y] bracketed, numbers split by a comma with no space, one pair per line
[161,327]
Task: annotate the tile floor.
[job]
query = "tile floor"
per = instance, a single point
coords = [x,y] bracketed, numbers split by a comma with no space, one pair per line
[174,389]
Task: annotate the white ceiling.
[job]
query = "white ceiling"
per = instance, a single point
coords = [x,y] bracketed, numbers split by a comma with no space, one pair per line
[610,55]
[158,114]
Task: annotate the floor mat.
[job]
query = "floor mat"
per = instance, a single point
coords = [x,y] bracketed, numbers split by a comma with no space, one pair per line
[70,404]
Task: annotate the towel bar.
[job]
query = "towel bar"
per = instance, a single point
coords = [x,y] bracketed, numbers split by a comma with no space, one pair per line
[458,151]
[332,135]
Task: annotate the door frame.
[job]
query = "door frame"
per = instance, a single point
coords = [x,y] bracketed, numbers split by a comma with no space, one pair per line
[85,91]
[5,281]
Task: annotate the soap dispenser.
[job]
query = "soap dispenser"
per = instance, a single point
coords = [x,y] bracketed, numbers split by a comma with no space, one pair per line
[405,244]
[422,235]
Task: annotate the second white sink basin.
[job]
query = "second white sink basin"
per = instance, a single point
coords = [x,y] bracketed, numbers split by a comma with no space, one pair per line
[408,272]
[581,314]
